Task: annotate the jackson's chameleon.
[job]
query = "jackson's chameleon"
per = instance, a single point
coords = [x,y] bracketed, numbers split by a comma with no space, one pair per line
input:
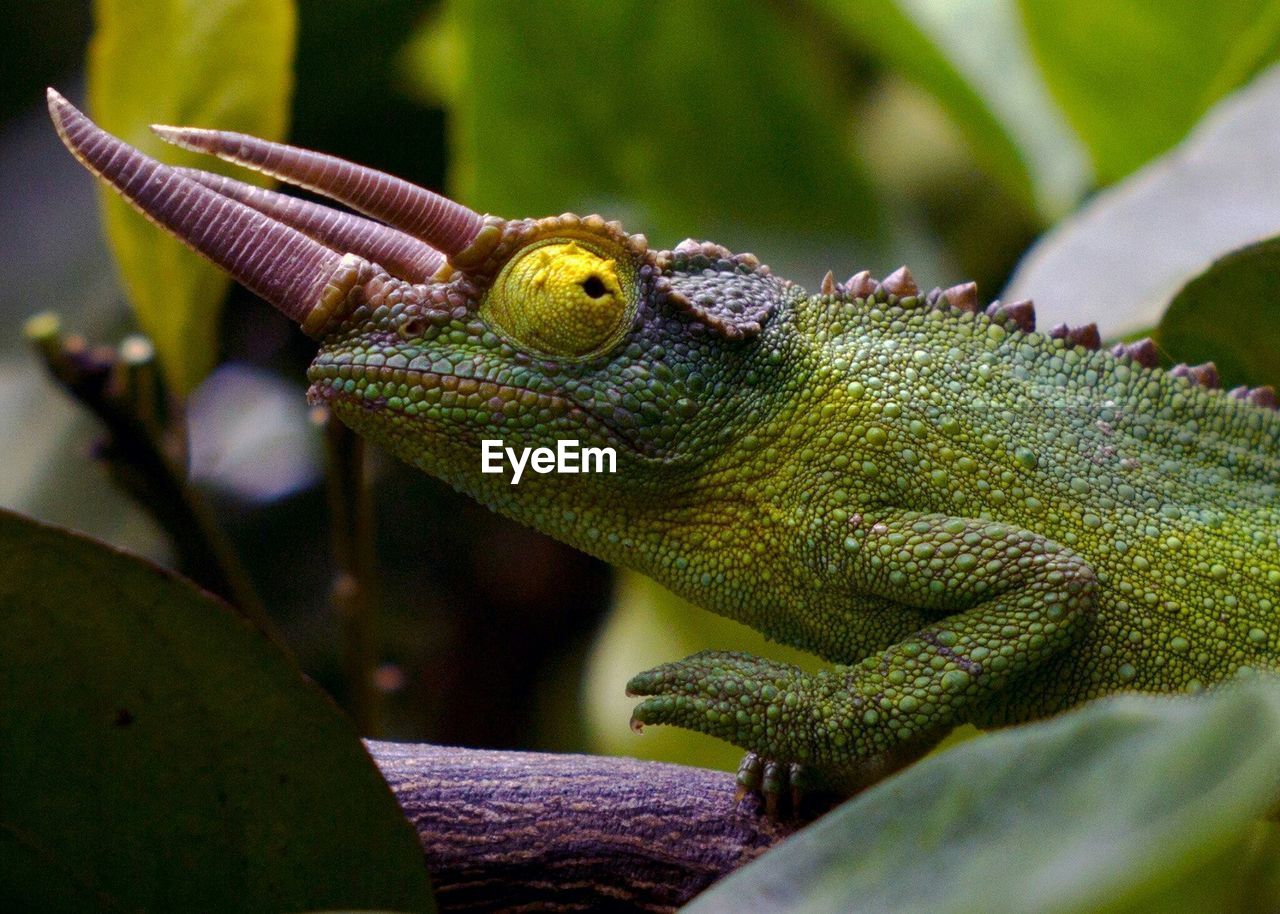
[971,520]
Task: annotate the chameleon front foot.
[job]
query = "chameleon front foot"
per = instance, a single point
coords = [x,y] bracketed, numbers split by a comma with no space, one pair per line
[739,698]
[803,731]
[734,696]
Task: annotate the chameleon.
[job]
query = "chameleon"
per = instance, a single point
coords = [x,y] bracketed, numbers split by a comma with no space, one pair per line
[969,520]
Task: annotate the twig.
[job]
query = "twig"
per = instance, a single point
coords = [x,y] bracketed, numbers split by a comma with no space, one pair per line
[353,594]
[544,832]
[144,451]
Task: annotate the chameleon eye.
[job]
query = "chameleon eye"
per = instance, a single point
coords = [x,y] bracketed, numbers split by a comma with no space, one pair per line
[562,298]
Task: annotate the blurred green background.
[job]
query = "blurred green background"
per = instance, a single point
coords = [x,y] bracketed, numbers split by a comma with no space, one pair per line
[947,134]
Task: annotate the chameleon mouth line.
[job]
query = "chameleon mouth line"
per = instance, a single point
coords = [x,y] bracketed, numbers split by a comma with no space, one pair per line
[329,389]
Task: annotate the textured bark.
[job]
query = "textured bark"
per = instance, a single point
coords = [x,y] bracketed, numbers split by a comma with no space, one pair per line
[541,832]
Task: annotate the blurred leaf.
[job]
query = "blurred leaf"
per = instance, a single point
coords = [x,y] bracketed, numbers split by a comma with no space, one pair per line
[1122,257]
[1263,860]
[207,63]
[159,754]
[985,41]
[1133,76]
[714,120]
[1229,314]
[883,29]
[1134,803]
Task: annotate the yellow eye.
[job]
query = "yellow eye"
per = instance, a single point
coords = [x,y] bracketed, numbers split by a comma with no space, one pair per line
[562,298]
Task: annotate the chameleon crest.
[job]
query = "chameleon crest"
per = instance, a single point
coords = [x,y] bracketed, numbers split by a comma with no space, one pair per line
[972,520]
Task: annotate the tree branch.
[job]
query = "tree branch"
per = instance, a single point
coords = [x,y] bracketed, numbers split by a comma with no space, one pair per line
[550,832]
[144,451]
[353,591]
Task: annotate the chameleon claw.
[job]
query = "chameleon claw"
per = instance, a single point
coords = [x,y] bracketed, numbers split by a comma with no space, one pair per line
[781,785]
[749,776]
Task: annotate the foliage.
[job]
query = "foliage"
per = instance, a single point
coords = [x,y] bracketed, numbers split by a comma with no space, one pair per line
[1216,316]
[1128,804]
[1134,77]
[744,137]
[161,754]
[1122,256]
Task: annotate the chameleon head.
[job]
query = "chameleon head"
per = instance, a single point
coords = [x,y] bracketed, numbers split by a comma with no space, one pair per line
[440,328]
[563,329]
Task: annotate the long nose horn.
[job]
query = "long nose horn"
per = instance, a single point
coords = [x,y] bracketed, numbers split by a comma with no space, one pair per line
[402,254]
[288,268]
[445,225]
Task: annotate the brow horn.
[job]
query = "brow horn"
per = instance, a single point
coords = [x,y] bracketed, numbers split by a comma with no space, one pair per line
[402,254]
[279,263]
[442,223]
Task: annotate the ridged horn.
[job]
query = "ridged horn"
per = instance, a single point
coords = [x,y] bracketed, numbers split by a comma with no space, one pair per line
[445,225]
[402,254]
[279,263]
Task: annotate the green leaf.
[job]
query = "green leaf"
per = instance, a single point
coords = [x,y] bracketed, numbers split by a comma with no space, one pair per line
[1133,76]
[1134,803]
[1230,314]
[1123,256]
[718,120]
[884,30]
[206,63]
[161,754]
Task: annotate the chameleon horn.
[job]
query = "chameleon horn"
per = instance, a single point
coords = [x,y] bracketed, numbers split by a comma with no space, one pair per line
[445,225]
[279,263]
[403,255]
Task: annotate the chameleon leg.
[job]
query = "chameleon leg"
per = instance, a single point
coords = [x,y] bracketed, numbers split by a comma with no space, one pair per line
[1007,600]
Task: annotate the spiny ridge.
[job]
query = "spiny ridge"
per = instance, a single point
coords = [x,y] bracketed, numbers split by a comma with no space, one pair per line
[1204,375]
[1142,351]
[963,297]
[900,287]
[861,285]
[1086,335]
[1021,314]
[901,283]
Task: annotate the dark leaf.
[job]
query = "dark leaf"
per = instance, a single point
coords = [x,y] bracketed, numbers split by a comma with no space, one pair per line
[160,754]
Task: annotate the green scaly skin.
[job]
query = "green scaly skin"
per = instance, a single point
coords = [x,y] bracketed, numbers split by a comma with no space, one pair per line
[972,522]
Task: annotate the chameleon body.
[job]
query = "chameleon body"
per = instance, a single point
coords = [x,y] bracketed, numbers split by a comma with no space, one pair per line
[972,521]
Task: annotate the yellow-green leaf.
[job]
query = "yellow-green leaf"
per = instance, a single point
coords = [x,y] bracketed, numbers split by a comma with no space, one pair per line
[208,63]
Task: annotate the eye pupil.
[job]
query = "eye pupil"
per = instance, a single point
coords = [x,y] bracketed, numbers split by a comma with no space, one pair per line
[594,287]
